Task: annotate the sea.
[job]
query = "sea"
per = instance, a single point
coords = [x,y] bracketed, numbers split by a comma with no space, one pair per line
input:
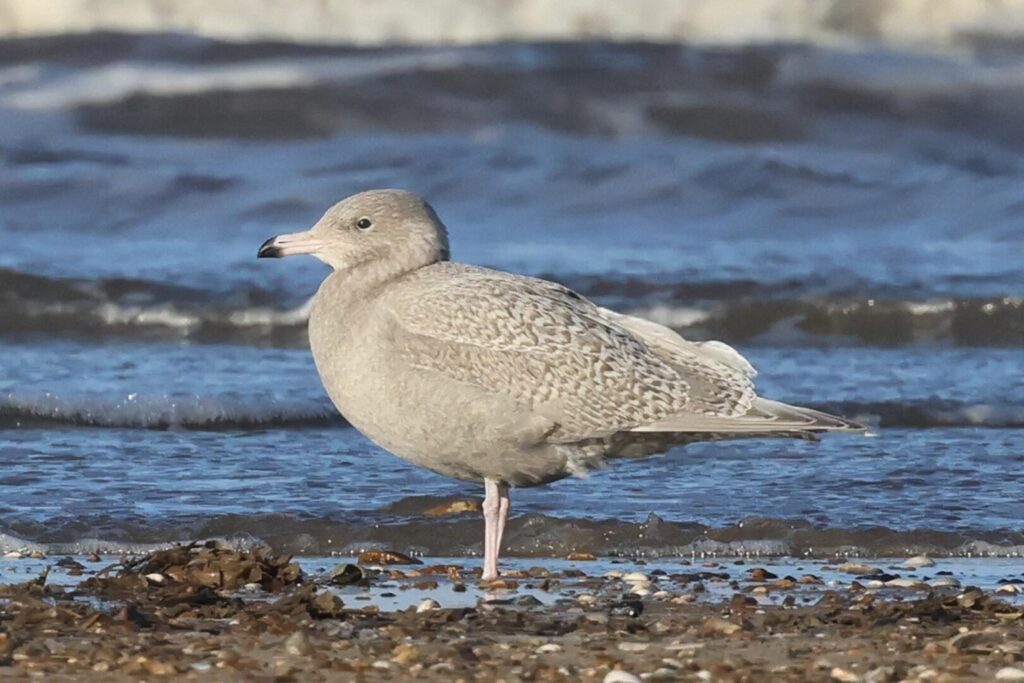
[848,216]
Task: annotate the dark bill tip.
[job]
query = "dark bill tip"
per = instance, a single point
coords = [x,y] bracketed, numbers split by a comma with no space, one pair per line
[269,250]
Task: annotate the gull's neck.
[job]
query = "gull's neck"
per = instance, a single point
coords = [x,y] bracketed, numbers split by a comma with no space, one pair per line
[361,282]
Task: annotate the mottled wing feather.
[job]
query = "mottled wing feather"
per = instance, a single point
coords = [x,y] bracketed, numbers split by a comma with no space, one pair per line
[553,351]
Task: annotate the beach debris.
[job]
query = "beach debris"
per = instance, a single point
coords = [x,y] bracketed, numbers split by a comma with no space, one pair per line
[203,565]
[385,557]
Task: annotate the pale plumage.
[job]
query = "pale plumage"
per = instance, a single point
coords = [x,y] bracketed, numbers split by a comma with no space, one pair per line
[510,380]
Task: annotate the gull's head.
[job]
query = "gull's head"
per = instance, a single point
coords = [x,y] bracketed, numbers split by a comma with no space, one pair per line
[386,230]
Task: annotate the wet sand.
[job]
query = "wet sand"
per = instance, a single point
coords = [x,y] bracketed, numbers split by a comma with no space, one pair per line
[213,613]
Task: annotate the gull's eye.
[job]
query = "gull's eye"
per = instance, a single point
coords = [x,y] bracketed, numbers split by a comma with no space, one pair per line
[364,224]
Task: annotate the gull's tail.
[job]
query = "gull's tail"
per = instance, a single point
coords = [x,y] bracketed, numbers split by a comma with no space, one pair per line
[765,417]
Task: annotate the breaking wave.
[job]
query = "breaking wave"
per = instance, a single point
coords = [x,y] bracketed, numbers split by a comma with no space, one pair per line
[738,311]
[34,410]
[899,22]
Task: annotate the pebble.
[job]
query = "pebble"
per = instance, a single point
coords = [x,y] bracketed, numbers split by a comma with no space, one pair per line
[1010,588]
[636,577]
[856,568]
[428,605]
[976,642]
[345,574]
[970,597]
[918,562]
[718,625]
[580,557]
[761,574]
[845,675]
[327,605]
[883,674]
[298,644]
[549,648]
[906,583]
[156,579]
[13,555]
[945,582]
[626,608]
[1010,673]
[620,676]
[628,646]
[528,601]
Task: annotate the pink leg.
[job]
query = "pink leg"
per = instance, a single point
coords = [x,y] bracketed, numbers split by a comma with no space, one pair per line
[503,505]
[492,507]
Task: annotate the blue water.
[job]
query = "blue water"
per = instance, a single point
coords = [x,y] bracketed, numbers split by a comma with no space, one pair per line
[860,243]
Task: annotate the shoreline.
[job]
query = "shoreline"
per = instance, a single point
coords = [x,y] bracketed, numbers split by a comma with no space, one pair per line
[448,526]
[211,613]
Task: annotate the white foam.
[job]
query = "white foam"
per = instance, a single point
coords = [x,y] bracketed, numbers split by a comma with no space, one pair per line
[148,411]
[914,22]
[270,317]
[39,89]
